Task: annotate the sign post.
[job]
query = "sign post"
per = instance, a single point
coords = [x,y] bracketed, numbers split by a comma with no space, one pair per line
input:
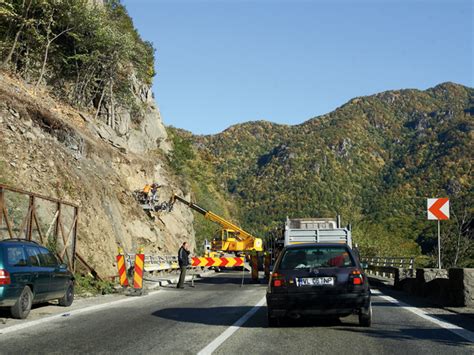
[438,209]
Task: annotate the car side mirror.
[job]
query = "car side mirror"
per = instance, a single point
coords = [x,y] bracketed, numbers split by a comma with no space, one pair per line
[63,266]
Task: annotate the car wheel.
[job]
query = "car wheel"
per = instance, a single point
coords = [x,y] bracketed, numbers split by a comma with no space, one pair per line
[365,316]
[22,307]
[68,297]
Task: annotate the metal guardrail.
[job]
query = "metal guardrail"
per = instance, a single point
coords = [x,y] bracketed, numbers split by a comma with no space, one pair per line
[388,266]
[400,262]
[155,262]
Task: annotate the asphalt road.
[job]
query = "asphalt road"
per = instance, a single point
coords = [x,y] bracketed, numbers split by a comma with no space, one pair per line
[173,321]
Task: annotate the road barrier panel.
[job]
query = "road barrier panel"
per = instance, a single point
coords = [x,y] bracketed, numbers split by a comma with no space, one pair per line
[138,274]
[217,262]
[122,270]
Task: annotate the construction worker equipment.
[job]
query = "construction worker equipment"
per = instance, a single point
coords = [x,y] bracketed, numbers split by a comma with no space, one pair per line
[232,238]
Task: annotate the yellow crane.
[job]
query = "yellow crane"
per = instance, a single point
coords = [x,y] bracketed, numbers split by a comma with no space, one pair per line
[232,239]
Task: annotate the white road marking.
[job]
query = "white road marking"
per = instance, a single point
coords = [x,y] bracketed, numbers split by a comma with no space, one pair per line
[463,333]
[375,292]
[17,327]
[231,330]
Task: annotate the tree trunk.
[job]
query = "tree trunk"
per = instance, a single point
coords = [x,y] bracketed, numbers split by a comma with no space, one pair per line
[10,54]
[112,108]
[17,35]
[43,67]
[48,44]
[100,102]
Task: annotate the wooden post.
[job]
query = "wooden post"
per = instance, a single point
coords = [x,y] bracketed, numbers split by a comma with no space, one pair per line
[74,236]
[1,205]
[29,229]
[58,221]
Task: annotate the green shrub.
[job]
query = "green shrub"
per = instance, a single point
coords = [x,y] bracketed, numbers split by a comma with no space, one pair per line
[87,284]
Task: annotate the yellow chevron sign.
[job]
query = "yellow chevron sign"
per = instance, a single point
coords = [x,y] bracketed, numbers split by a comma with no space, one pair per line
[220,262]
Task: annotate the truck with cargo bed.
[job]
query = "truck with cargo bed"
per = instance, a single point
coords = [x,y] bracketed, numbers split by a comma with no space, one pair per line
[315,230]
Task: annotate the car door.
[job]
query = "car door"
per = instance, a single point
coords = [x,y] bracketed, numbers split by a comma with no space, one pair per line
[41,274]
[58,274]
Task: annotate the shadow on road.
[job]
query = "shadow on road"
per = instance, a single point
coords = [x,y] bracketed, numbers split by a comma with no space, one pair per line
[441,336]
[226,280]
[5,311]
[227,316]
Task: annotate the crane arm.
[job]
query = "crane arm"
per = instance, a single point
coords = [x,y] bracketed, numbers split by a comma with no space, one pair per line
[241,234]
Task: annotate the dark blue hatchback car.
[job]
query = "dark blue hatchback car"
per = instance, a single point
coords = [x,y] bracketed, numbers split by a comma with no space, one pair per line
[30,273]
[320,280]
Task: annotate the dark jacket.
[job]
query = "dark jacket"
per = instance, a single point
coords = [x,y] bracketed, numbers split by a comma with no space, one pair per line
[183,257]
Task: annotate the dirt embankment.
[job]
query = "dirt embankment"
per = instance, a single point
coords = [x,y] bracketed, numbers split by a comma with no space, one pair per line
[55,150]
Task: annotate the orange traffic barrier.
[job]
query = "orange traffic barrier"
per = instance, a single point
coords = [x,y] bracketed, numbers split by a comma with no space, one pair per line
[220,262]
[138,274]
[122,269]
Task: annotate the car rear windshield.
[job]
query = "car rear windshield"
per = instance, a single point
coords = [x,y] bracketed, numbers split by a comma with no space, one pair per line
[316,256]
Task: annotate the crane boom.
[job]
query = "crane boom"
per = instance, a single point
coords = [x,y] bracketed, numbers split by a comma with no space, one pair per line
[244,240]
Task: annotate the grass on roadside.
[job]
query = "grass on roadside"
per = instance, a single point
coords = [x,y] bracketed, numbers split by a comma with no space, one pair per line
[87,285]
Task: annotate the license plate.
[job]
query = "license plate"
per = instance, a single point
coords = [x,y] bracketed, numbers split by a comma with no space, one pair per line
[315,281]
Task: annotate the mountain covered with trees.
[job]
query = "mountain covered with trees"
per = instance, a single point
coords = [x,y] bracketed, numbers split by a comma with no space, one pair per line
[76,79]
[374,161]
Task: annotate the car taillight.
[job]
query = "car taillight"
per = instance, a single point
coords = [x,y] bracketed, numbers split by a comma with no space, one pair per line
[357,277]
[4,277]
[278,280]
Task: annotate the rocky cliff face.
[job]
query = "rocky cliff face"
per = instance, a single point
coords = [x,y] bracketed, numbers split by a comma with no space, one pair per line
[96,162]
[139,134]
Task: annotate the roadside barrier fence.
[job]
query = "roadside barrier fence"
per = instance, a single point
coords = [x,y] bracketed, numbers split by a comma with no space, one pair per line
[389,266]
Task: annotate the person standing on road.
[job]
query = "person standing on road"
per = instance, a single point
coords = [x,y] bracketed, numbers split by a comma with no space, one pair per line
[183,260]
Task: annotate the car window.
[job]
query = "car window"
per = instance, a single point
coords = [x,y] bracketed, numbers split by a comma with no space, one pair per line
[47,258]
[316,256]
[16,256]
[33,255]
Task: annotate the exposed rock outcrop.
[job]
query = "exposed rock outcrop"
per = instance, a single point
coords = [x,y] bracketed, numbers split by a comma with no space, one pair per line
[53,149]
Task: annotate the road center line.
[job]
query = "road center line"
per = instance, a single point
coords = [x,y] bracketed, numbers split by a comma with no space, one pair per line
[463,333]
[231,330]
[97,307]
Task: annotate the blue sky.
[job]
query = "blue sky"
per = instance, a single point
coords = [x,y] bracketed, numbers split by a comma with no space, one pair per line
[223,62]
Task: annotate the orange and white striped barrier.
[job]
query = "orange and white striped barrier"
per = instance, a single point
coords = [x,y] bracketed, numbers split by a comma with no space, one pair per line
[220,262]
[122,270]
[138,274]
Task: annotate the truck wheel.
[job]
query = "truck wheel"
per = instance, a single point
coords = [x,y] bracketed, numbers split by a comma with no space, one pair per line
[68,297]
[365,316]
[22,307]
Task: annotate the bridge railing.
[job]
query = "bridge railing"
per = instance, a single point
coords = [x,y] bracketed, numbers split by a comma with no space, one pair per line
[389,266]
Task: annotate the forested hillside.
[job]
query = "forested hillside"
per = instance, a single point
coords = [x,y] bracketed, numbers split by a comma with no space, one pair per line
[374,160]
